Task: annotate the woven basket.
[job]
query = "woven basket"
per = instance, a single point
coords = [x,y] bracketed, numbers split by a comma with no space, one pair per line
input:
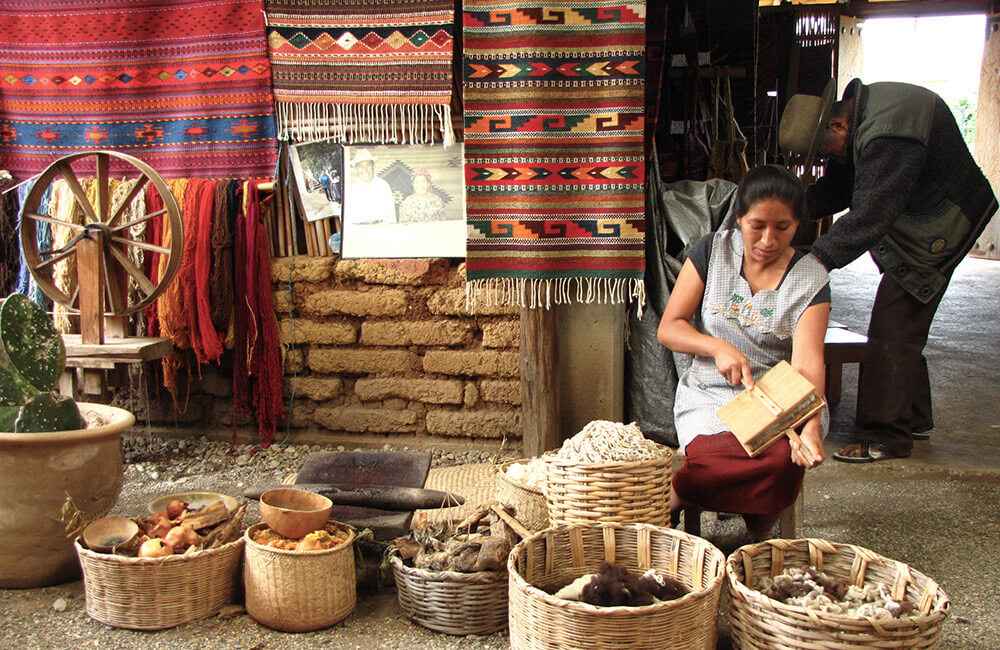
[299,591]
[617,492]
[559,555]
[157,593]
[526,502]
[452,602]
[761,622]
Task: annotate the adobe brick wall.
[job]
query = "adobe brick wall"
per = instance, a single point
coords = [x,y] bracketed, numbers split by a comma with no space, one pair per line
[385,348]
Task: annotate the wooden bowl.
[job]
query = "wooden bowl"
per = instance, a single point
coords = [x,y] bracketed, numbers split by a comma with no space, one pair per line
[294,513]
[104,534]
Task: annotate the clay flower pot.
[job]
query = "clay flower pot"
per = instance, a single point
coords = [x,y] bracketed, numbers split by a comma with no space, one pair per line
[37,470]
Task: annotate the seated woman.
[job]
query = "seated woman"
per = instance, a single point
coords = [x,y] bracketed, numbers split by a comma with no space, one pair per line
[759,301]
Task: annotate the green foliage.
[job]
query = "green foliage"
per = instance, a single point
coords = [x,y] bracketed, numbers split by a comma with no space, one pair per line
[31,342]
[32,357]
[49,412]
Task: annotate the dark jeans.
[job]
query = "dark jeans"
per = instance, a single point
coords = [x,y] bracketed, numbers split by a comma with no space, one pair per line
[894,390]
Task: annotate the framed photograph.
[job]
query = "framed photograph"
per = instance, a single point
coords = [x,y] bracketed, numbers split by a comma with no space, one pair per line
[318,168]
[403,201]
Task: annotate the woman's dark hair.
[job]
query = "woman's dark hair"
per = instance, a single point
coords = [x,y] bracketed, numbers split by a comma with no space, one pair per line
[771,182]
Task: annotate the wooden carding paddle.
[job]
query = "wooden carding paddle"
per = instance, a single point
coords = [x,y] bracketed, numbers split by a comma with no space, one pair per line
[777,403]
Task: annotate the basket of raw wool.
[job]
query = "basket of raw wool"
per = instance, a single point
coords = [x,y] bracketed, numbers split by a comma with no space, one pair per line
[811,593]
[520,487]
[608,472]
[614,586]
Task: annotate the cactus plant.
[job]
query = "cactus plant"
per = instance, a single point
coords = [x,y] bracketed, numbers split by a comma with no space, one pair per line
[32,357]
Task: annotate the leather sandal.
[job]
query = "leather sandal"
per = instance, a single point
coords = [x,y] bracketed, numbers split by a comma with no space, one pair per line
[922,434]
[871,452]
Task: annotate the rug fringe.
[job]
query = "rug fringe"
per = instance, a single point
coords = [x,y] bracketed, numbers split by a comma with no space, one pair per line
[367,123]
[542,293]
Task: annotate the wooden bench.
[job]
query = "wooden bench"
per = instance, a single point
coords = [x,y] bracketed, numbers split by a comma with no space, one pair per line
[841,346]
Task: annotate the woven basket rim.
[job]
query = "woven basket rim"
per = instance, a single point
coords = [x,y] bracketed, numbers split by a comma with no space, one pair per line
[501,471]
[153,561]
[752,595]
[666,454]
[575,605]
[483,577]
[280,551]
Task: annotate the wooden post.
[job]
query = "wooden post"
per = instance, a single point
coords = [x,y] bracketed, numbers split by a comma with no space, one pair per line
[90,276]
[539,381]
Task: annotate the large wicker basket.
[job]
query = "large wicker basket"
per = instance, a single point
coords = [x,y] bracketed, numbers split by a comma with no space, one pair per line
[619,492]
[526,502]
[556,556]
[761,622]
[299,591]
[157,593]
[452,602]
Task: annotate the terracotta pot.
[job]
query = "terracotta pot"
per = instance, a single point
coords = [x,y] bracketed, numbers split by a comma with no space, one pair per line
[37,470]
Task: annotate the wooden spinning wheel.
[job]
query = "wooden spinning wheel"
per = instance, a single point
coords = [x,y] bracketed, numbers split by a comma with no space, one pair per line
[102,244]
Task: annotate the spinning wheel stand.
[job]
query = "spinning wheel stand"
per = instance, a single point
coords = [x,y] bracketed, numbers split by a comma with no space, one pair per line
[104,270]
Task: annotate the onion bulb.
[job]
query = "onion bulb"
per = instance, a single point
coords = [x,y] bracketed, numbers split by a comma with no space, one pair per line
[155,547]
[176,508]
[160,528]
[182,535]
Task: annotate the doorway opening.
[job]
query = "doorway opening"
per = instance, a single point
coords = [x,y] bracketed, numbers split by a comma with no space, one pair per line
[941,53]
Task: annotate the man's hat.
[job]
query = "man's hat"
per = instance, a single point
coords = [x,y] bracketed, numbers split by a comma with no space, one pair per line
[362,155]
[803,123]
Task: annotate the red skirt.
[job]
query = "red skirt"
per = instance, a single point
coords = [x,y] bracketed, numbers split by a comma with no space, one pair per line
[718,475]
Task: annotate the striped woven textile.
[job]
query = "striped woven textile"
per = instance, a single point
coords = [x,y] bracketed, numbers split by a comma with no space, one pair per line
[182,84]
[369,71]
[554,164]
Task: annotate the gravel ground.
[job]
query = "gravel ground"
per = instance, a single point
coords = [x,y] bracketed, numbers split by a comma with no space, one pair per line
[844,503]
[55,617]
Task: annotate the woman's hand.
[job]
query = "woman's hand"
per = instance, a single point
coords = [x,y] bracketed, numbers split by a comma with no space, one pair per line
[810,438]
[732,364]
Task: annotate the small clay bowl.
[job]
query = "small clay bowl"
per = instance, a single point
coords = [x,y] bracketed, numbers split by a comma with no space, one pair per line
[104,534]
[294,513]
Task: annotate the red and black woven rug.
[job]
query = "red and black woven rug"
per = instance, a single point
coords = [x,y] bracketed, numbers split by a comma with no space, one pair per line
[181,84]
[554,164]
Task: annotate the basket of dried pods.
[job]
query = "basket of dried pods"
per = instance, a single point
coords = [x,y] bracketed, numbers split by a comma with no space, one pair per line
[608,472]
[453,581]
[167,569]
[520,487]
[811,593]
[613,586]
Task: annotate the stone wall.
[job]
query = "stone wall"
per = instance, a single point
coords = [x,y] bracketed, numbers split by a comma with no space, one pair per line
[386,347]
[380,348]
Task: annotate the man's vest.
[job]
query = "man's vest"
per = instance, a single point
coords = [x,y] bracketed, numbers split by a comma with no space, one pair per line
[931,231]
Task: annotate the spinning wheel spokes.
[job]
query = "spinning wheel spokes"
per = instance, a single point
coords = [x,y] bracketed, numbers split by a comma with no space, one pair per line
[120,247]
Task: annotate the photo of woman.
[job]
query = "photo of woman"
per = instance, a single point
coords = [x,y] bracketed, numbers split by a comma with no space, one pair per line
[423,204]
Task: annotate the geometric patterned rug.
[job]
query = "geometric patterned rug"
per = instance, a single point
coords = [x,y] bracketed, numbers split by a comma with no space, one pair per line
[554,164]
[182,84]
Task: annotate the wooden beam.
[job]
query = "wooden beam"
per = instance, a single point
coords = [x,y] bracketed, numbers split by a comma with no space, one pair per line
[539,381]
[90,276]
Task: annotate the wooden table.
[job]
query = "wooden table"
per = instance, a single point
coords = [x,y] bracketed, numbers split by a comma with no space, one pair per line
[111,356]
[841,346]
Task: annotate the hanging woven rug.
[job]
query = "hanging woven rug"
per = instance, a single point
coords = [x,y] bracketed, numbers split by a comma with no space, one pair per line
[182,84]
[362,71]
[554,163]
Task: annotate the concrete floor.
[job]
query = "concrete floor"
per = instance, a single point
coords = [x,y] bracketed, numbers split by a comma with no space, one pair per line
[939,510]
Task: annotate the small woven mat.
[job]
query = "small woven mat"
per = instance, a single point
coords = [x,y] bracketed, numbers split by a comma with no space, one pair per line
[474,483]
